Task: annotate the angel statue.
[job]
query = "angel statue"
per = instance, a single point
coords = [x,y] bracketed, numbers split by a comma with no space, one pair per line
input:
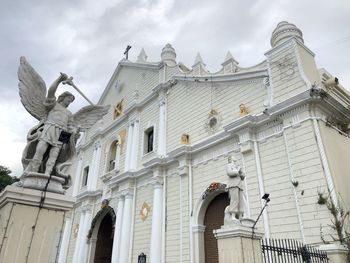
[51,143]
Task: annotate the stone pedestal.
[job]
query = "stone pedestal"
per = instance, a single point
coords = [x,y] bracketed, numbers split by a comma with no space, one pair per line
[38,181]
[29,233]
[238,243]
[336,253]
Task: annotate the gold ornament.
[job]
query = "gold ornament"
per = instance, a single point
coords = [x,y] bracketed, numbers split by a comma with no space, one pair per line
[242,110]
[185,138]
[122,135]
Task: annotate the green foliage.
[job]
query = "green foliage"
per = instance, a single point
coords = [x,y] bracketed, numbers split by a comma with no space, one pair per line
[5,177]
[321,199]
[340,216]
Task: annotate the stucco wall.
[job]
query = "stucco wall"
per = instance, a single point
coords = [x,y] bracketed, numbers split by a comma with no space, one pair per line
[337,149]
[285,75]
[142,228]
[189,104]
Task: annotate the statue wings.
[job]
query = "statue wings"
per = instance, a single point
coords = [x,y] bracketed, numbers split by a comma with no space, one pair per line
[89,115]
[32,90]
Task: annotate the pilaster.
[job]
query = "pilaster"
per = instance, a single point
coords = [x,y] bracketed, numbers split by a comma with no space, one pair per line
[162,124]
[157,215]
[118,230]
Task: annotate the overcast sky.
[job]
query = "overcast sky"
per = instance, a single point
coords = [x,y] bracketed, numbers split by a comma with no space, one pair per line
[86,39]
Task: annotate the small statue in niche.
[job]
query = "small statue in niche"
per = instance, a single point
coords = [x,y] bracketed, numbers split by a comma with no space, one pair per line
[235,188]
[118,109]
[242,110]
[185,138]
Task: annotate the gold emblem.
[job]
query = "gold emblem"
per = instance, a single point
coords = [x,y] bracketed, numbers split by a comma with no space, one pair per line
[118,109]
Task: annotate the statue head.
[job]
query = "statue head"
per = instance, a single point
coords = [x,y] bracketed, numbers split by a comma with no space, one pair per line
[104,203]
[231,159]
[66,98]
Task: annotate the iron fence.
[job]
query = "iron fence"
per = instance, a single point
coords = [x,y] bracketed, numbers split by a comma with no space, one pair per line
[287,250]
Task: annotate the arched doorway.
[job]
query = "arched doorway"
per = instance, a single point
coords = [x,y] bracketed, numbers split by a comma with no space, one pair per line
[104,243]
[100,236]
[214,219]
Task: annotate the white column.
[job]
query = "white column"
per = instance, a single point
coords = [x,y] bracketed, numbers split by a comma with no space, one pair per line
[77,177]
[128,147]
[135,143]
[84,246]
[124,248]
[162,127]
[261,188]
[78,244]
[92,170]
[65,240]
[118,230]
[94,178]
[156,238]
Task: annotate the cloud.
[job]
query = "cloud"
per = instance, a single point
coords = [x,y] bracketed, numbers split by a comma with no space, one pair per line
[86,39]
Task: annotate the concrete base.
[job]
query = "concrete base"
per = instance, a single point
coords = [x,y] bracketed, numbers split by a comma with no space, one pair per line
[336,253]
[29,233]
[237,243]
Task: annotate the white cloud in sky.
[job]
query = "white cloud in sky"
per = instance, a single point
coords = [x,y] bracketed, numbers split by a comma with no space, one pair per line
[86,39]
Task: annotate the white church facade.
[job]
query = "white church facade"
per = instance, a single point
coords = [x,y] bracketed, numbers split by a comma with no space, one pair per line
[159,156]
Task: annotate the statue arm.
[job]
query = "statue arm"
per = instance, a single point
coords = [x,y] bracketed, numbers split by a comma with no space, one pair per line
[52,90]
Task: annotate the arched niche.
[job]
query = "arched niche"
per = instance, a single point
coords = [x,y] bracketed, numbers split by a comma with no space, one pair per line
[112,153]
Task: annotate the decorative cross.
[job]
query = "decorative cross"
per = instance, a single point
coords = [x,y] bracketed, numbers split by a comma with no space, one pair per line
[126,52]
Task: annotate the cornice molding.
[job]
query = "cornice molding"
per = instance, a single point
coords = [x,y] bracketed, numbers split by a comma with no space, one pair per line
[88,194]
[224,77]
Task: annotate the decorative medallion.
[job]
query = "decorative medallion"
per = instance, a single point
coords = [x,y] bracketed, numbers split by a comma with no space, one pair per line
[75,230]
[212,188]
[213,121]
[145,210]
[118,109]
[242,109]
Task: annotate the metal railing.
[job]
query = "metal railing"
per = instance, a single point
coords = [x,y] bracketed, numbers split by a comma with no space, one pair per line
[288,250]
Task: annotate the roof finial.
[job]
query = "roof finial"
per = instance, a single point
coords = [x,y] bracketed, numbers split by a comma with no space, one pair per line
[168,55]
[285,31]
[198,60]
[142,57]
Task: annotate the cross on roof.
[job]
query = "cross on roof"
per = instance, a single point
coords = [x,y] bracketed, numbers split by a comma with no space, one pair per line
[126,52]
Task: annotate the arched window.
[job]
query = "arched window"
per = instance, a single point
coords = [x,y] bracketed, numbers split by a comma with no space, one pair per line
[85,176]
